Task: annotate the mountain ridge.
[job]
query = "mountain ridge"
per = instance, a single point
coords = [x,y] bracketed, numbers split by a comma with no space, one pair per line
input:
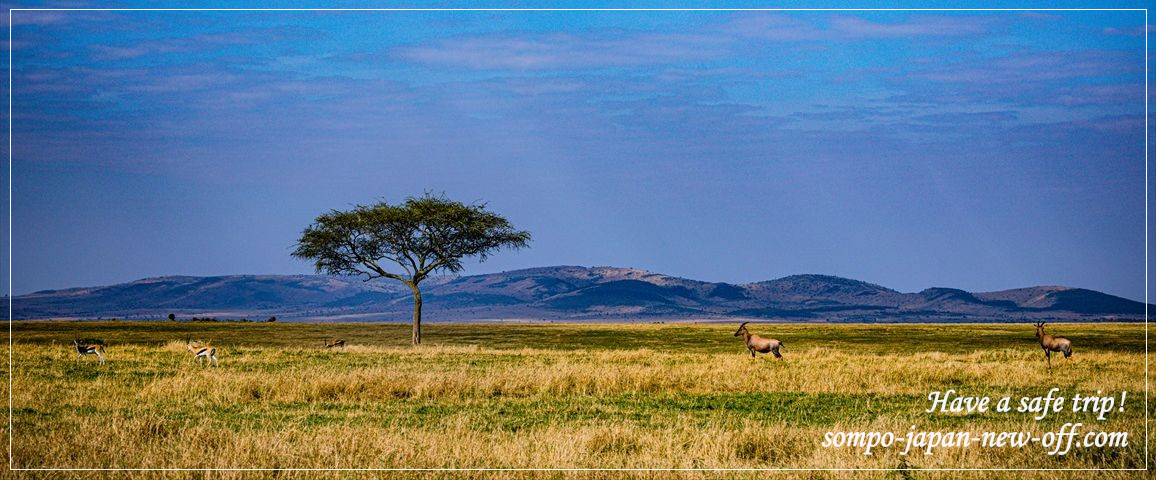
[568,292]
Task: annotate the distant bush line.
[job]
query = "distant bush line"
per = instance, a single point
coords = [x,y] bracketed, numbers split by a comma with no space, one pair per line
[212,319]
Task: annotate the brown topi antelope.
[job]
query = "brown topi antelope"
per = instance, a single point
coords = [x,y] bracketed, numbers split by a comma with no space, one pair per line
[336,343]
[759,344]
[83,349]
[202,354]
[1052,344]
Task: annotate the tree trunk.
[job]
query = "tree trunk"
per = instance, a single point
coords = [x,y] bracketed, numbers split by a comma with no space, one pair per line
[416,314]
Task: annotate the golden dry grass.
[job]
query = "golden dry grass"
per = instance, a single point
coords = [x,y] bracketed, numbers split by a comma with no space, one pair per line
[276,404]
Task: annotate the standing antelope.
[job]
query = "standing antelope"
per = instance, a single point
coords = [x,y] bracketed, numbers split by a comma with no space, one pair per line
[83,349]
[336,343]
[1052,344]
[203,353]
[759,344]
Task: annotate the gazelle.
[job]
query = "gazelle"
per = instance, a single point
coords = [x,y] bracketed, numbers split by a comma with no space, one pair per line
[202,353]
[83,349]
[1052,344]
[759,344]
[336,343]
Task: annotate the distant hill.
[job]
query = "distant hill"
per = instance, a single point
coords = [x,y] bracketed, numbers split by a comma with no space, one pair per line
[567,293]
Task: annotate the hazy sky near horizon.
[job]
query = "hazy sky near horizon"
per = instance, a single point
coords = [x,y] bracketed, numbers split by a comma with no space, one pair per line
[981,150]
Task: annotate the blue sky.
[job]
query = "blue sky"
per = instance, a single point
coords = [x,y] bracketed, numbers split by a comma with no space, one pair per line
[974,149]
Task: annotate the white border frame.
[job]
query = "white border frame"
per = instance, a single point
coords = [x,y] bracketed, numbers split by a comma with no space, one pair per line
[10,161]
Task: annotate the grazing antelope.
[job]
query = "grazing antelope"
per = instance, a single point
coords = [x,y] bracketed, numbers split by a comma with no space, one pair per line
[759,344]
[203,353]
[336,343]
[83,349]
[1052,344]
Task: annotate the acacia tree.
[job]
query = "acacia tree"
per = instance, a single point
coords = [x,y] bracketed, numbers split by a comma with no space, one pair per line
[422,236]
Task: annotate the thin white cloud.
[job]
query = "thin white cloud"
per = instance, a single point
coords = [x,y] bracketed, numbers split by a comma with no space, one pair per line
[924,26]
[1033,68]
[1047,17]
[607,49]
[784,27]
[1139,31]
[564,51]
[773,26]
[189,44]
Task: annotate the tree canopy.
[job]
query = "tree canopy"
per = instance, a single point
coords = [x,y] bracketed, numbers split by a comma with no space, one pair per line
[422,235]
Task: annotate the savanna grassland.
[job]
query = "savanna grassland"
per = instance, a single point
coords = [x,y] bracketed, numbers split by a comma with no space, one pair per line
[550,396]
